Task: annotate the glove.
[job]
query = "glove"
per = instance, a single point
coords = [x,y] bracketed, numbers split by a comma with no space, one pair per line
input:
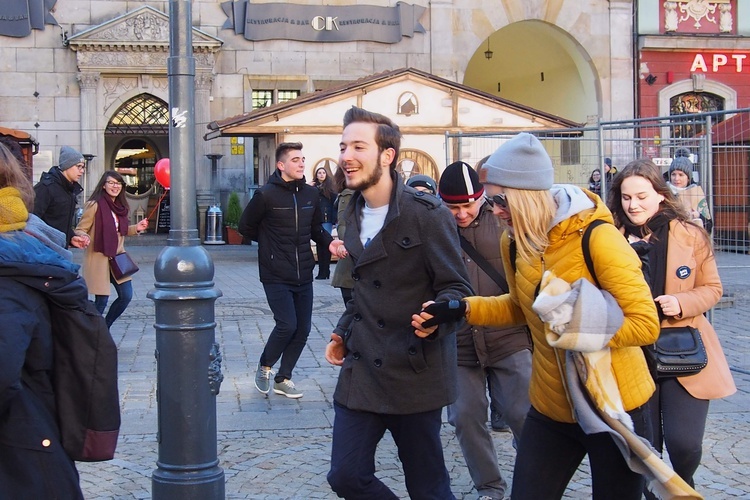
[445,312]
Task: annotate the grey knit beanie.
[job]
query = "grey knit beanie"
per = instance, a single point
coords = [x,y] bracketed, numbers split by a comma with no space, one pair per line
[69,157]
[520,163]
[684,164]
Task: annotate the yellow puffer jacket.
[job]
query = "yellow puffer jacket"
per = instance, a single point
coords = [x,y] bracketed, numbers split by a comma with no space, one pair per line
[618,270]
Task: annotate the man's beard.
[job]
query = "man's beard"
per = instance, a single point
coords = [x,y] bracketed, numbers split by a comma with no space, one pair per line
[370,181]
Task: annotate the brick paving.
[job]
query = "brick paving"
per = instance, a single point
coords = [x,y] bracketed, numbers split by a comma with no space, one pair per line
[277,448]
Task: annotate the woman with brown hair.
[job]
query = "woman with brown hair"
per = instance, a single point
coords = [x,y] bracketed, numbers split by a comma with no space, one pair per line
[685,284]
[104,225]
[327,189]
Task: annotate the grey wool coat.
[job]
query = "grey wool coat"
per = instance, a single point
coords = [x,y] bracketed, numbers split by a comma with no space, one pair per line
[414,258]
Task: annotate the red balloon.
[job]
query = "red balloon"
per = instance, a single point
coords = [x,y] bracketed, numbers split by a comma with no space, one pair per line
[161,172]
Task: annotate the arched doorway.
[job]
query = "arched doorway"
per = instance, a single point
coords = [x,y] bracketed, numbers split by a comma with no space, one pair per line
[537,64]
[137,136]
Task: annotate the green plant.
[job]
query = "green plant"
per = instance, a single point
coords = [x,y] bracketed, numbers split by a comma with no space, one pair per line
[234,211]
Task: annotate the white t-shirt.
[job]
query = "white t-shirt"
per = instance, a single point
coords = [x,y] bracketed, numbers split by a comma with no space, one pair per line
[372,222]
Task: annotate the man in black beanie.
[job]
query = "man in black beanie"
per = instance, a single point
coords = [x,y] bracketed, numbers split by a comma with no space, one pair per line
[56,193]
[502,355]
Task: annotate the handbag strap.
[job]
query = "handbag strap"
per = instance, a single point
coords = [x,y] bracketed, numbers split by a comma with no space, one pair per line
[483,264]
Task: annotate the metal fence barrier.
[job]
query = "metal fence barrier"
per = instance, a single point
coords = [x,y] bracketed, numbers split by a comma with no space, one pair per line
[719,144]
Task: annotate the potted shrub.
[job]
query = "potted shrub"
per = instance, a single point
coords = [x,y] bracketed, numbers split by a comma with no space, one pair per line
[232,219]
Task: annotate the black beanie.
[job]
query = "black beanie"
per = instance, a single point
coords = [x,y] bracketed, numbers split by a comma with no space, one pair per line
[459,183]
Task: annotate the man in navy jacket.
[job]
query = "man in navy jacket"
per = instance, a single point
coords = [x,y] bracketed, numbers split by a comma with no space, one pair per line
[282,217]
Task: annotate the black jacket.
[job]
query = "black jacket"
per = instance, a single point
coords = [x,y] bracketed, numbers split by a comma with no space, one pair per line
[33,463]
[415,257]
[56,200]
[283,217]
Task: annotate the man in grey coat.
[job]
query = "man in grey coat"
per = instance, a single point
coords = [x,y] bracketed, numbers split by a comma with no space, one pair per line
[395,374]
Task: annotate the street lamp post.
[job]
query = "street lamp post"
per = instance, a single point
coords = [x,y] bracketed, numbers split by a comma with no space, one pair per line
[188,358]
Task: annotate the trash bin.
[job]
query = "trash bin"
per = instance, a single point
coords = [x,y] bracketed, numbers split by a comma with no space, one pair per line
[214,225]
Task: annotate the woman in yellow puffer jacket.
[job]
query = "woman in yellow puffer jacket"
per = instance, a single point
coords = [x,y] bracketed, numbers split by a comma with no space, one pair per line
[547,223]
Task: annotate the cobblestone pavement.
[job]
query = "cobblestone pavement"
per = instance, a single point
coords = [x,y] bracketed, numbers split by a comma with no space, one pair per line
[278,448]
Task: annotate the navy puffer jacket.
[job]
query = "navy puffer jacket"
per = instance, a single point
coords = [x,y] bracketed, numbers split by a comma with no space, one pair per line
[283,217]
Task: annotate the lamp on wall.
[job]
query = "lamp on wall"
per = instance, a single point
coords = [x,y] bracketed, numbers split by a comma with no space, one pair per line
[488,53]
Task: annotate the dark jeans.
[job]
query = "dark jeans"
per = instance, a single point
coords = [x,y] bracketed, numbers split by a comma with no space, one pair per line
[292,311]
[324,256]
[678,421]
[549,454]
[346,294]
[124,296]
[356,435]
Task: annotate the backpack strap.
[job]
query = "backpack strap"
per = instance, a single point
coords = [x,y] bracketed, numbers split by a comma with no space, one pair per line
[483,264]
[587,251]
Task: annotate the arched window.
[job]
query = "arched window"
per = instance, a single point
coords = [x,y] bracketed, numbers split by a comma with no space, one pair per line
[141,115]
[413,162]
[689,103]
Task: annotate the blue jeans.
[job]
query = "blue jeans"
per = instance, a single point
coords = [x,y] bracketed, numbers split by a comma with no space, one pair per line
[549,454]
[356,435]
[292,311]
[124,296]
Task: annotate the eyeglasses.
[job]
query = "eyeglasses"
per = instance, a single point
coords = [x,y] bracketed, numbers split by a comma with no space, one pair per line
[81,167]
[113,184]
[499,200]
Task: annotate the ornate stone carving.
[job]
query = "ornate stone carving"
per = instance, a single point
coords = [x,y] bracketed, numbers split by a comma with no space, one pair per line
[203,81]
[145,26]
[670,16]
[88,81]
[725,18]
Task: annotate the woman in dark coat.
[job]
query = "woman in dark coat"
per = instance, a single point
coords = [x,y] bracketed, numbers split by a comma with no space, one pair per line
[33,463]
[324,182]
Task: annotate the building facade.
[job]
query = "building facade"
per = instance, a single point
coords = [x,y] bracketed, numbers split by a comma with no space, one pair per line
[92,73]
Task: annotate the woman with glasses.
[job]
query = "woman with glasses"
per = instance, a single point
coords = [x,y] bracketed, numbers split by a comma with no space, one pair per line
[103,226]
[546,223]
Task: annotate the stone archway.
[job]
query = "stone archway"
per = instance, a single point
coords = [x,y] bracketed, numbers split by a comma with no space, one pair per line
[126,57]
[539,65]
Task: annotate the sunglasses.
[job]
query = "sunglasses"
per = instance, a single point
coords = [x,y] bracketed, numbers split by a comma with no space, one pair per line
[499,200]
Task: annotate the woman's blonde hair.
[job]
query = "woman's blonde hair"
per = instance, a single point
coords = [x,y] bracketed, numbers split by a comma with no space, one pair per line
[532,213]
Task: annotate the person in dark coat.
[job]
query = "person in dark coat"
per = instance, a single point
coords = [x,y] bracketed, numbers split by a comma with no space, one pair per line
[57,193]
[327,187]
[33,463]
[283,216]
[498,359]
[395,375]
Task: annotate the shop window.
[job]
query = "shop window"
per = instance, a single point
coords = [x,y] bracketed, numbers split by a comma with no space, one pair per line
[287,95]
[265,98]
[690,103]
[262,98]
[570,152]
[135,160]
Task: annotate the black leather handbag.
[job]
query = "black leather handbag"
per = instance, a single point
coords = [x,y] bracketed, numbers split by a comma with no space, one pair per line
[122,266]
[679,352]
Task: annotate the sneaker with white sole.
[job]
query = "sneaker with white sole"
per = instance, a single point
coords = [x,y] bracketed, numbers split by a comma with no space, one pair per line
[286,388]
[263,378]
